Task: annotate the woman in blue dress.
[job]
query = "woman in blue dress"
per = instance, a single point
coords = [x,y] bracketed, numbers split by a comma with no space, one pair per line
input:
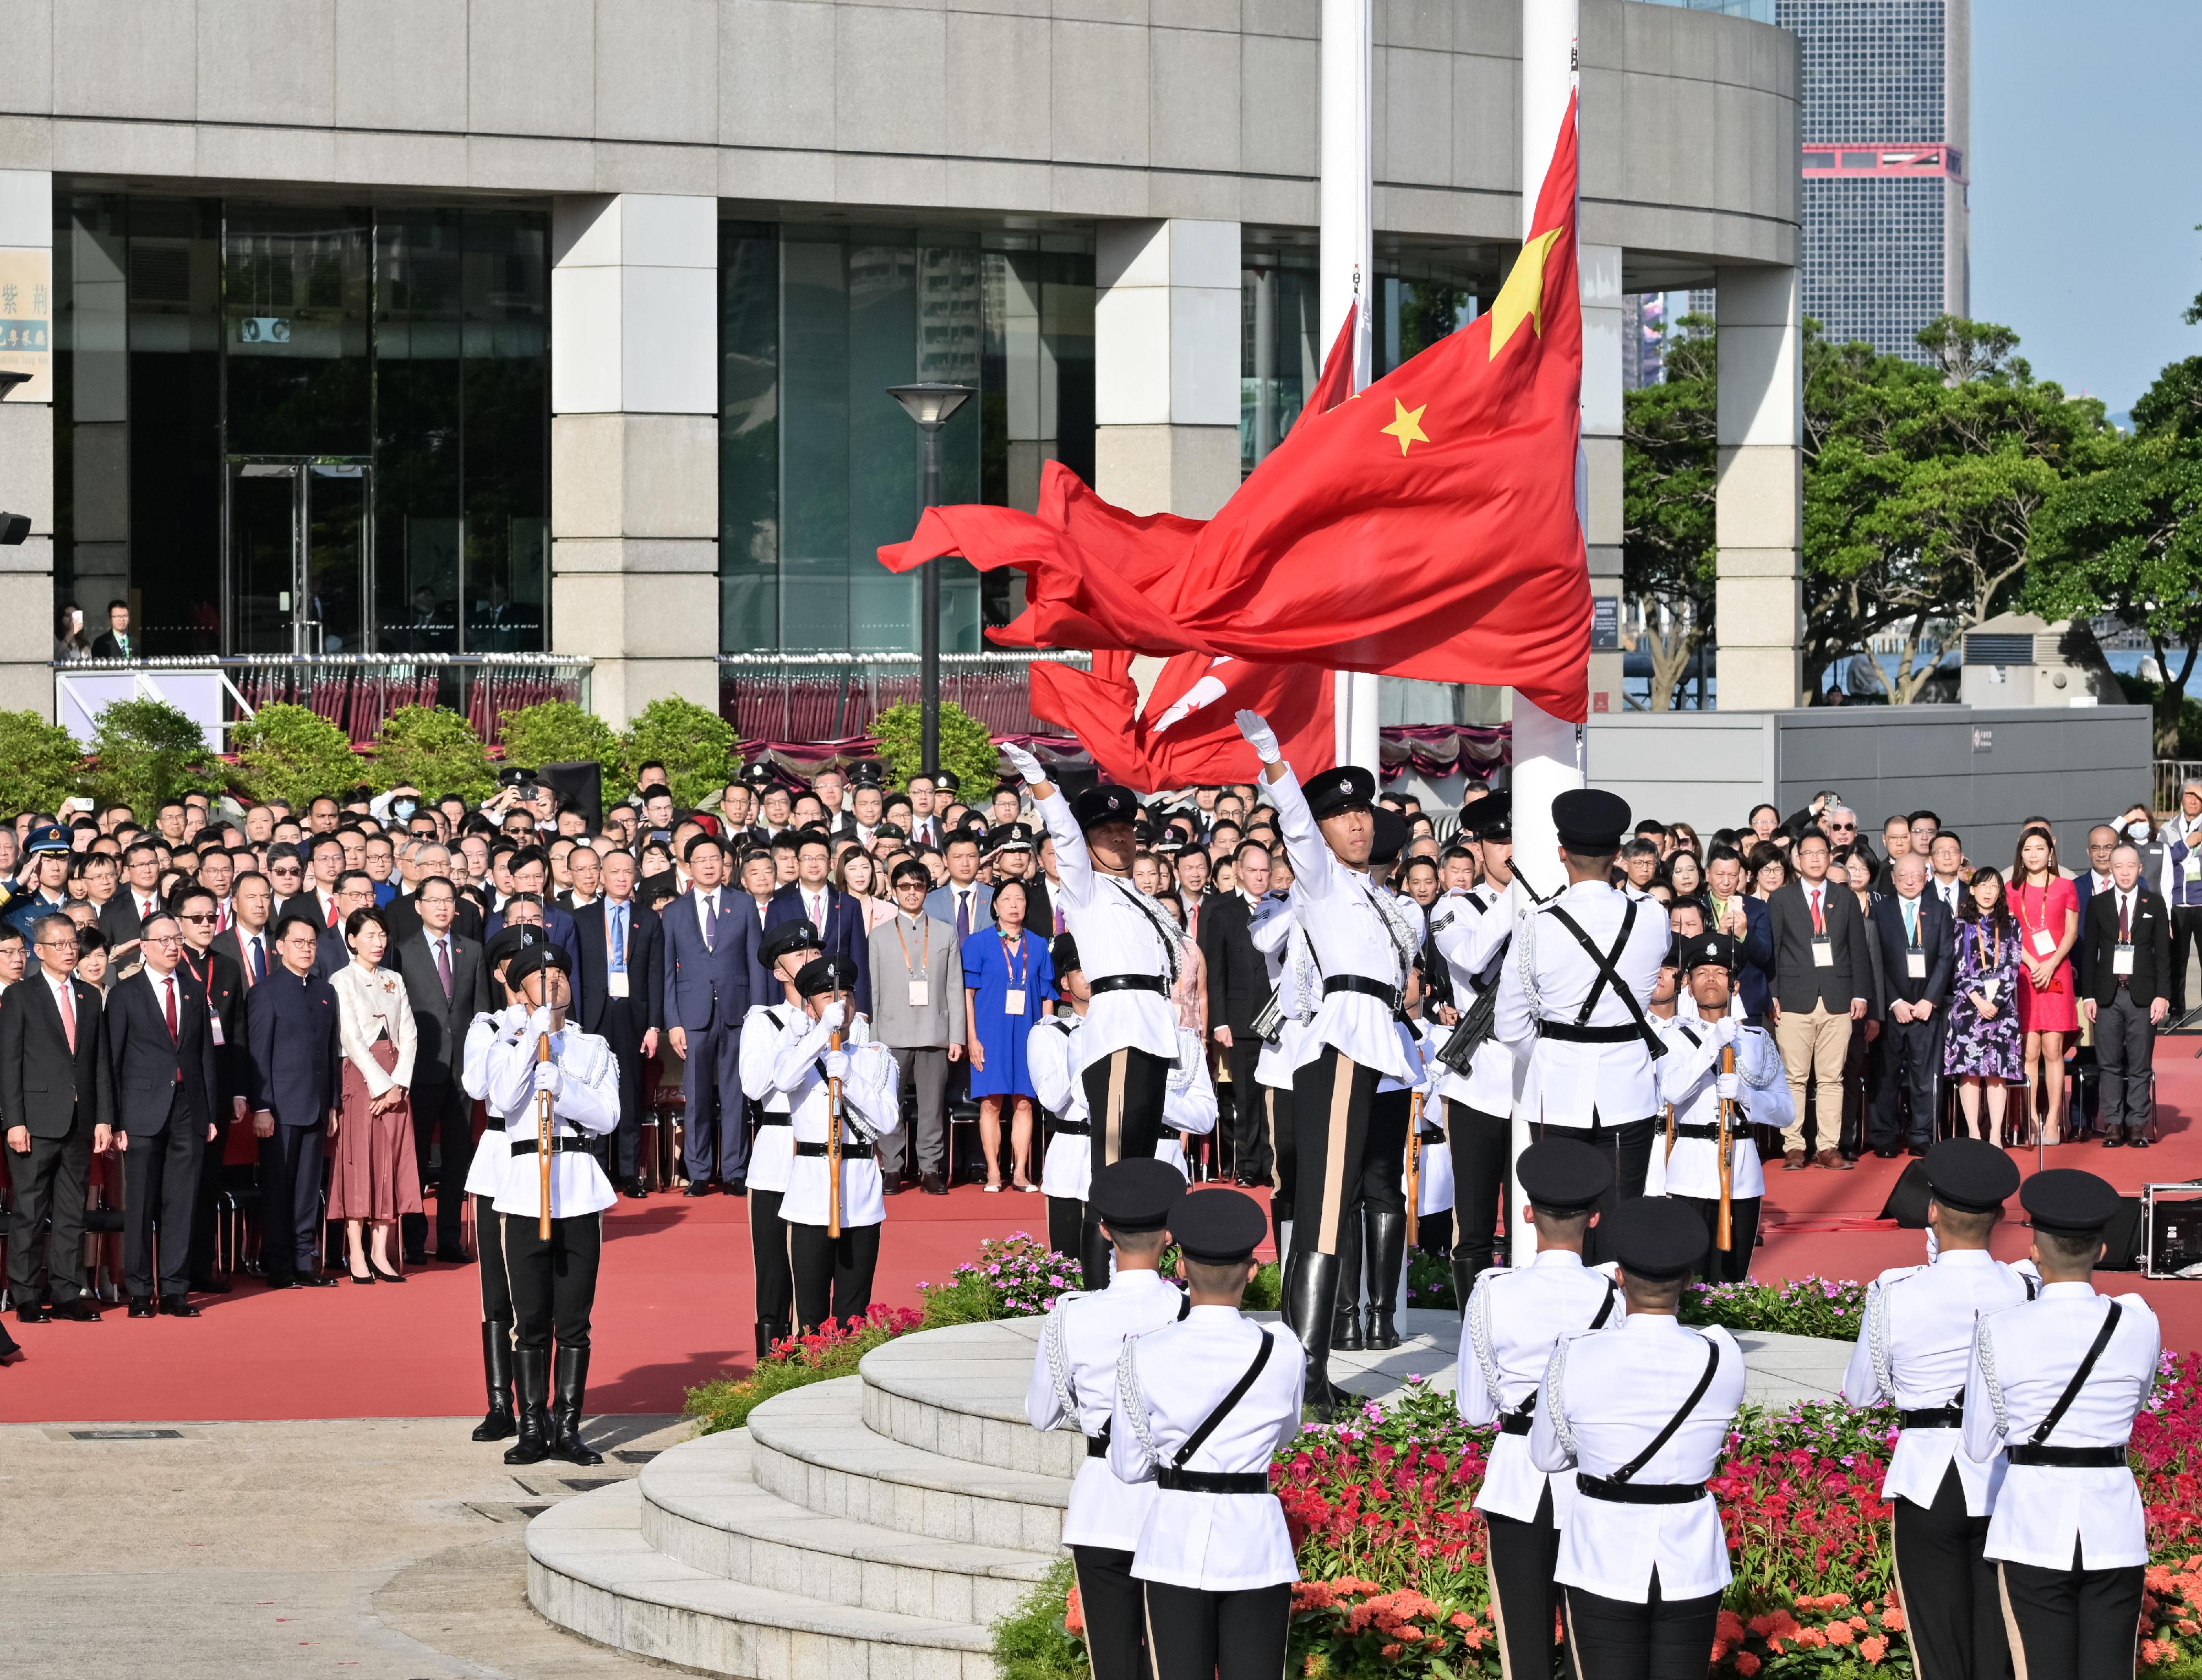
[1009,983]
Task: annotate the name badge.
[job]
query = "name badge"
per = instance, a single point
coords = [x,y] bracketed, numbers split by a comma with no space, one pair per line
[1915,964]
[2121,960]
[1013,1002]
[2192,868]
[214,1022]
[1988,989]
[921,993]
[2043,941]
[1823,952]
[616,985]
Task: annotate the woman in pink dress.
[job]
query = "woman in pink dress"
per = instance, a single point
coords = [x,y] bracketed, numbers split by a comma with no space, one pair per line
[2048,909]
[373,1181]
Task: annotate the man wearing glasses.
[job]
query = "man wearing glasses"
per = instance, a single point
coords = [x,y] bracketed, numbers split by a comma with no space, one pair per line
[295,1064]
[198,913]
[1841,823]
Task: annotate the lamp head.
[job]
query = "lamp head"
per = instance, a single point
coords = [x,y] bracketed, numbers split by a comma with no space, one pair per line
[931,403]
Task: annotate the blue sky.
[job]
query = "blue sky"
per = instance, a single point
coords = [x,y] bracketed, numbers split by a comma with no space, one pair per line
[2086,184]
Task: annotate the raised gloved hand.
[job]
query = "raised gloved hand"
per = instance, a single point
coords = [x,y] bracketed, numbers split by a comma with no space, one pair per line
[1729,1085]
[550,1078]
[1724,1032]
[835,1015]
[837,1064]
[1260,736]
[1024,763]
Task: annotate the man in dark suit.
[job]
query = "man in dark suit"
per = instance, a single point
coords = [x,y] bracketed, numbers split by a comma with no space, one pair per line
[223,981]
[447,986]
[161,1040]
[355,890]
[2127,991]
[249,941]
[963,901]
[839,918]
[621,983]
[122,916]
[427,864]
[1238,986]
[711,935]
[556,923]
[1822,980]
[57,1098]
[116,641]
[1918,956]
[291,1037]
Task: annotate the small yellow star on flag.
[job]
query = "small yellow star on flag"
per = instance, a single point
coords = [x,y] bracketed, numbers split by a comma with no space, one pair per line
[1406,425]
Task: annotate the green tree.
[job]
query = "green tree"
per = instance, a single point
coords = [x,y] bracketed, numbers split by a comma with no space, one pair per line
[696,746]
[292,753]
[435,749]
[40,762]
[144,751]
[965,746]
[558,732]
[1668,487]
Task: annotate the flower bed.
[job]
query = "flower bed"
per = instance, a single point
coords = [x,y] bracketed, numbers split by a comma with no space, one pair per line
[793,1362]
[1822,1307]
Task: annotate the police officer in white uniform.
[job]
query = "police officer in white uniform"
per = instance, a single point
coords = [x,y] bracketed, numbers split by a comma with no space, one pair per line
[1276,933]
[1572,998]
[832,1276]
[553,1279]
[1134,954]
[1686,1163]
[1913,1344]
[1363,942]
[1052,1051]
[2052,1387]
[785,952]
[1514,1318]
[1201,1408]
[1074,1386]
[485,1177]
[1641,1412]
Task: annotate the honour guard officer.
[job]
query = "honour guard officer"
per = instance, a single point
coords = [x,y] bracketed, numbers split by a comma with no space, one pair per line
[1514,1319]
[2054,1384]
[1571,999]
[1136,954]
[1051,1053]
[1201,1408]
[832,1276]
[1073,1386]
[48,847]
[485,1177]
[1275,930]
[1473,932]
[1685,1165]
[1913,1346]
[1641,1412]
[1364,943]
[554,1278]
[787,950]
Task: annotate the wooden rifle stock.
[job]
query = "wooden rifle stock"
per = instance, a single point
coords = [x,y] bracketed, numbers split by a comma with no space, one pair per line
[1724,1233]
[833,1139]
[1414,1169]
[543,1143]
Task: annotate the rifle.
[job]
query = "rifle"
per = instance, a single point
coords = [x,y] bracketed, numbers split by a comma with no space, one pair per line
[1414,1169]
[1723,1233]
[1671,1133]
[543,1142]
[833,1138]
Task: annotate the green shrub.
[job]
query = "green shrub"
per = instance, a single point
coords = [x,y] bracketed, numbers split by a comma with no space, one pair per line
[40,762]
[145,752]
[435,749]
[965,746]
[558,732]
[1831,1308]
[696,746]
[292,753]
[1033,1643]
[831,1351]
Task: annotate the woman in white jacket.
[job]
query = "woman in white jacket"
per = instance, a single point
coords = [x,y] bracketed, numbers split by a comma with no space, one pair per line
[372,1178]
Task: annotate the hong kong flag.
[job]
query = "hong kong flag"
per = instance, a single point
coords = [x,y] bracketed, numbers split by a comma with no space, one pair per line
[1424,527]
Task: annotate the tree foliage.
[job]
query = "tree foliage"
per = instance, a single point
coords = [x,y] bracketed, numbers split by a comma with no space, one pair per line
[965,746]
[696,746]
[558,732]
[145,752]
[436,750]
[292,753]
[40,762]
[1668,484]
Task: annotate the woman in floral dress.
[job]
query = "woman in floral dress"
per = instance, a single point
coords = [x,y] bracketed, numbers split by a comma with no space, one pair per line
[1983,1048]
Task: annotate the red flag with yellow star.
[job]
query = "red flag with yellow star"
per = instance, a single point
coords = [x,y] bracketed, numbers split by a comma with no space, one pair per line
[1426,528]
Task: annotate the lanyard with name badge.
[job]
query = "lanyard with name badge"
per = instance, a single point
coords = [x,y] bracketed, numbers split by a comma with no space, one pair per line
[1915,959]
[616,980]
[1013,1000]
[921,984]
[2044,942]
[2121,954]
[214,1021]
[1823,944]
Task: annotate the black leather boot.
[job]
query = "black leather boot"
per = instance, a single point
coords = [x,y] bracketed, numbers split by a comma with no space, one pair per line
[1314,1295]
[1345,1314]
[1093,1252]
[531,1368]
[572,1383]
[1386,1240]
[1464,1284]
[496,1368]
[1286,1268]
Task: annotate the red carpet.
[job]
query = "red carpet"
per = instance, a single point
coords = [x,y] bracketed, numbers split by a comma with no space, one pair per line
[674,1305]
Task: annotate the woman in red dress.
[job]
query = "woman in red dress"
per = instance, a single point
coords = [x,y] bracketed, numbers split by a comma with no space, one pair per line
[2048,912]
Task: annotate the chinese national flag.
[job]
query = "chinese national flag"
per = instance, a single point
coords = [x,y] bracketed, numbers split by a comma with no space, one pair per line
[1187,732]
[1426,528]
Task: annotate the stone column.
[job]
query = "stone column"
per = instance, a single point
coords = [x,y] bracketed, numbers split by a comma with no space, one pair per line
[1759,595]
[1166,333]
[1603,322]
[26,442]
[634,445]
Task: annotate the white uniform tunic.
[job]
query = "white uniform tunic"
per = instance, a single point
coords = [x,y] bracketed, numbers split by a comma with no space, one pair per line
[1167,1382]
[1688,1073]
[772,1151]
[870,1107]
[2022,1357]
[1356,929]
[1548,974]
[1514,1318]
[485,1171]
[1276,932]
[1468,929]
[1052,1056]
[1073,1386]
[1188,1098]
[1604,1397]
[588,1101]
[1117,932]
[1913,1344]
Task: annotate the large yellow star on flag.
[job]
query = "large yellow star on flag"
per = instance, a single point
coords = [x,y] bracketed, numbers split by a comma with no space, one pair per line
[1522,297]
[1406,425]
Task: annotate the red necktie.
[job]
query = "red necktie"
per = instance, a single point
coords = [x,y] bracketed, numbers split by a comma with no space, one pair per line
[332,912]
[1819,922]
[2125,922]
[169,994]
[67,994]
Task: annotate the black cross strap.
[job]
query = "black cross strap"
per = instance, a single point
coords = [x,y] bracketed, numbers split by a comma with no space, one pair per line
[1712,1363]
[1608,974]
[1155,920]
[1199,1438]
[1096,1446]
[2079,1378]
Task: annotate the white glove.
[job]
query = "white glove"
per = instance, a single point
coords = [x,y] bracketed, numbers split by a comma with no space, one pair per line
[1724,1032]
[539,1024]
[837,1064]
[1259,736]
[549,1079]
[831,1018]
[1729,1086]
[1024,763]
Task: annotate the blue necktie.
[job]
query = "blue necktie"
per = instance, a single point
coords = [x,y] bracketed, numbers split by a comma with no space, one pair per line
[710,922]
[259,959]
[619,938]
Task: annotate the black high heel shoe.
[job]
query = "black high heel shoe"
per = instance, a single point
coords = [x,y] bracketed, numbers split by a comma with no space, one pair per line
[382,1276]
[356,1278]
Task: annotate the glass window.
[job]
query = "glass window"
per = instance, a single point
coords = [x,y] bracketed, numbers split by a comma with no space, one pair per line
[506,303]
[749,436]
[294,286]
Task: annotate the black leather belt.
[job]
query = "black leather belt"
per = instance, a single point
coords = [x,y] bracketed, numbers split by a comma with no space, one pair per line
[1070,1128]
[1704,1133]
[2068,1457]
[1640,1493]
[1176,1481]
[850,1151]
[1566,1032]
[771,1116]
[559,1145]
[1361,986]
[1935,1418]
[1130,982]
[1096,1446]
[1515,1422]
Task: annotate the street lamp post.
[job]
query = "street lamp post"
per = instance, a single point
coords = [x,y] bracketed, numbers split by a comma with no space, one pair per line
[930,404]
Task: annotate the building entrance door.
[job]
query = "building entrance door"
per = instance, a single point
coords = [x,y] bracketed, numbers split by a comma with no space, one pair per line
[297,554]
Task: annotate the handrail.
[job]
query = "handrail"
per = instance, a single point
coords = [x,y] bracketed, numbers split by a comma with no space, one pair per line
[1006,658]
[203,661]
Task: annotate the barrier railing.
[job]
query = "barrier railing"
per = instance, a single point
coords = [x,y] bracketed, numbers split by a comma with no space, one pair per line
[2170,773]
[830,696]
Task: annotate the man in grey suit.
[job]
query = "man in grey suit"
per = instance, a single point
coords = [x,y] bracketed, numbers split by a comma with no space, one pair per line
[965,903]
[447,986]
[917,1013]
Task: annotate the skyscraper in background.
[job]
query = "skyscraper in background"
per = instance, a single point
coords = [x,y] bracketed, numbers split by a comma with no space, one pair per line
[1886,108]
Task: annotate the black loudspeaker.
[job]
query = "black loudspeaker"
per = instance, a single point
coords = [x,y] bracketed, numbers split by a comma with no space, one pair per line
[1907,1202]
[583,783]
[2121,1238]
